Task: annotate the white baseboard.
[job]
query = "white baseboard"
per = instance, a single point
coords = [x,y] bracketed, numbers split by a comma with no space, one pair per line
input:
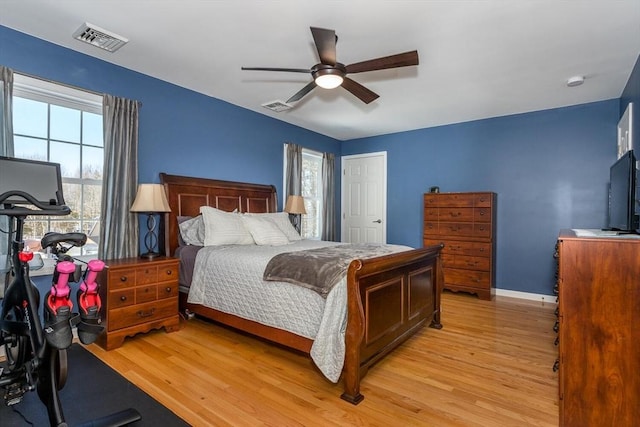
[526,295]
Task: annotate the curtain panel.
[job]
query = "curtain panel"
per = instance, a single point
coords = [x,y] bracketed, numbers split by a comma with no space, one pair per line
[119,236]
[293,179]
[329,199]
[6,149]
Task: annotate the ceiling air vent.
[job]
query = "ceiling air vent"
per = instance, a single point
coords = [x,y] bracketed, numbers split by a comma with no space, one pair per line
[99,37]
[277,106]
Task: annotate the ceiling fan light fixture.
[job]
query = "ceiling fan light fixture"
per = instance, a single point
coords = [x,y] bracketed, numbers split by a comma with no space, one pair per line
[329,78]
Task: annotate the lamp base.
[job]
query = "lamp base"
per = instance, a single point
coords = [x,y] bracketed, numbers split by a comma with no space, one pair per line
[150,255]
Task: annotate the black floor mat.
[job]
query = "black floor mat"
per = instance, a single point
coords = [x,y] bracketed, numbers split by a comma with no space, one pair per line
[93,390]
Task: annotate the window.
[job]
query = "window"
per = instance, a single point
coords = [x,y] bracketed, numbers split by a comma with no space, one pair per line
[311,224]
[311,227]
[59,124]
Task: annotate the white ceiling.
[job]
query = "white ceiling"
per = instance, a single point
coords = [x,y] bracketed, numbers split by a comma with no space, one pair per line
[478,59]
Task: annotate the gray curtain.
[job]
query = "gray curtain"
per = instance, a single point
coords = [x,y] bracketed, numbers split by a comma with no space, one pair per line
[119,227]
[329,197]
[293,179]
[6,149]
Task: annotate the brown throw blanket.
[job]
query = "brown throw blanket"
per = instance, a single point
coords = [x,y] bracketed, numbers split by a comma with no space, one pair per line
[321,269]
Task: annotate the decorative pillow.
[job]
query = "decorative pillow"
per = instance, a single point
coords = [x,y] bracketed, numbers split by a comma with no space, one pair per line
[281,219]
[191,230]
[224,228]
[264,231]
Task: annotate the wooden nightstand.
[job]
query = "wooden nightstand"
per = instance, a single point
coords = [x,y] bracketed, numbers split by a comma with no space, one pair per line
[138,295]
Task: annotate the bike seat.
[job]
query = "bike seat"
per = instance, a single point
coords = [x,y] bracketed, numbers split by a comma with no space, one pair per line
[50,239]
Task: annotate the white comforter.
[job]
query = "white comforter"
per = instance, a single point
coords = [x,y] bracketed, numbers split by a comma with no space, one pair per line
[229,279]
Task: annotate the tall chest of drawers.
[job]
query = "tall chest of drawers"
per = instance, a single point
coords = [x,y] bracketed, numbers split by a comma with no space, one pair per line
[138,295]
[466,224]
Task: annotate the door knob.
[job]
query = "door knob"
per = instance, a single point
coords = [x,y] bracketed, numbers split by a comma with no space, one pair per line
[379,221]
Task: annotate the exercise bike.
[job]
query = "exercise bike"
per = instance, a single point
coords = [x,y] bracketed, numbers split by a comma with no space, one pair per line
[36,358]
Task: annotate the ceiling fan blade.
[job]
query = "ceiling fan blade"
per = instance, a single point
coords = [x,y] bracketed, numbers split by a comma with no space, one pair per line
[359,91]
[326,44]
[394,61]
[302,92]
[289,70]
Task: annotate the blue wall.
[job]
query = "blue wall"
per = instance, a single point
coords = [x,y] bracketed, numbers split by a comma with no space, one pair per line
[549,168]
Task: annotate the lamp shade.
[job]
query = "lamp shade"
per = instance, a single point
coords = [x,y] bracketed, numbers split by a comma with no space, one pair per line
[150,198]
[295,205]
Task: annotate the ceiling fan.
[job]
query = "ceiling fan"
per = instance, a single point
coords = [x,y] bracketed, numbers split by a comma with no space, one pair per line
[330,74]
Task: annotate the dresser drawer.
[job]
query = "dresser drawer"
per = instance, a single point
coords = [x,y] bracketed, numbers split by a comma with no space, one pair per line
[142,313]
[470,262]
[482,230]
[449,200]
[482,215]
[456,229]
[430,214]
[483,200]
[455,214]
[472,278]
[462,247]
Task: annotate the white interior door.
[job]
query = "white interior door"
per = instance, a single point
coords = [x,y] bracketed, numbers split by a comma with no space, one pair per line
[364,198]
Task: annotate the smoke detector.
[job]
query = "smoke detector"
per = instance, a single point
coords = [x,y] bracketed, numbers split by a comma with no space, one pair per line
[575,81]
[99,37]
[277,106]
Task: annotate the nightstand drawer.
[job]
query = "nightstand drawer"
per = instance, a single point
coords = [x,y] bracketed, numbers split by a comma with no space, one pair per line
[147,274]
[121,279]
[146,293]
[121,298]
[141,313]
[167,273]
[168,290]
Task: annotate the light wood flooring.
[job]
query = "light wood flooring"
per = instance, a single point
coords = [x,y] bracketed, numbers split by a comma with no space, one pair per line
[490,365]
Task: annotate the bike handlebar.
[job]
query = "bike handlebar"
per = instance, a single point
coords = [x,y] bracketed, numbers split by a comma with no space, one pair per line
[44,209]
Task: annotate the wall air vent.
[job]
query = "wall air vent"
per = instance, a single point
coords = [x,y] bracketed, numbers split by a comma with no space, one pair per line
[99,37]
[277,106]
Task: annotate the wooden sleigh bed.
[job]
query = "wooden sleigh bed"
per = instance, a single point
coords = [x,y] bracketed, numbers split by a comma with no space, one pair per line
[389,297]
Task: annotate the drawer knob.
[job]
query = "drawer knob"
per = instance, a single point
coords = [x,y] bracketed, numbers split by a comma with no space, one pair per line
[149,313]
[168,289]
[123,278]
[123,298]
[481,213]
[169,272]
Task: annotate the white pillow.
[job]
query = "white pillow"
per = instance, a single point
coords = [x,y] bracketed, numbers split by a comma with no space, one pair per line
[224,228]
[192,231]
[281,219]
[264,231]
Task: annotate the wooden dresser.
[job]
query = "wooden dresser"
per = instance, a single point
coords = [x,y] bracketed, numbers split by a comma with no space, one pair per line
[466,224]
[138,295]
[599,333]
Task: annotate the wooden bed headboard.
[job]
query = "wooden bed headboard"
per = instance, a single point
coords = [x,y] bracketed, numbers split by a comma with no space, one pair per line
[187,194]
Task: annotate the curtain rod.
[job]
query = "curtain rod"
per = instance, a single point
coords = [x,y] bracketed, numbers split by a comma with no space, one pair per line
[65,84]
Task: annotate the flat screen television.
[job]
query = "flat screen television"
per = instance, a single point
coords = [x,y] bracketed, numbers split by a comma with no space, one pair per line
[624,209]
[41,180]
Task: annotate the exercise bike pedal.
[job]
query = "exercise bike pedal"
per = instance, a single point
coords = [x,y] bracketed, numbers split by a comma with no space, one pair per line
[13,394]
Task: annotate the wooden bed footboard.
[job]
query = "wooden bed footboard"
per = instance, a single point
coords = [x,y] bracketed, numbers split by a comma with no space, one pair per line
[389,298]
